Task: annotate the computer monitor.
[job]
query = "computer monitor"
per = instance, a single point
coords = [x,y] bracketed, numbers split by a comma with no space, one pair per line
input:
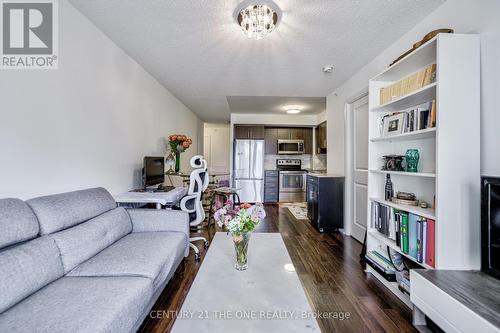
[153,172]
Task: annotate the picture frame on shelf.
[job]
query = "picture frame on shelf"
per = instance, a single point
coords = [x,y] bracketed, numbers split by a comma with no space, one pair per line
[393,124]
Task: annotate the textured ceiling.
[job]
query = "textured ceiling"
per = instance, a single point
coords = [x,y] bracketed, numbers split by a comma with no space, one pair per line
[275,104]
[196,50]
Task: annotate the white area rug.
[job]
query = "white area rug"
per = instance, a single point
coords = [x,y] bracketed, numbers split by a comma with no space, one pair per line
[298,209]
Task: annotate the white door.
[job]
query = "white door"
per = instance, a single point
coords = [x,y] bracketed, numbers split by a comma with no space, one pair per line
[359,173]
[216,149]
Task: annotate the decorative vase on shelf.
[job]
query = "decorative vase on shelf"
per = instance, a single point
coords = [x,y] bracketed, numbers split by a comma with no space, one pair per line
[412,157]
[241,241]
[177,161]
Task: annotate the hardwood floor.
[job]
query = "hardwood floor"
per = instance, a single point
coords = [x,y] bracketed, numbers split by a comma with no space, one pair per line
[329,269]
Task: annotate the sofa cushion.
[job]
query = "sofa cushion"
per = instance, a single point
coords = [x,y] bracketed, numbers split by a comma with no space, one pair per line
[17,222]
[26,268]
[73,304]
[85,240]
[147,254]
[61,211]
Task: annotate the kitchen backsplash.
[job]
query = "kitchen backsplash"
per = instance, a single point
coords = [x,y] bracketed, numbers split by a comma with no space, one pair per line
[312,162]
[270,160]
[319,162]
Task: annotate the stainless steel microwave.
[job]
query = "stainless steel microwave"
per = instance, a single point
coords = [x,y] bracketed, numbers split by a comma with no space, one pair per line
[289,147]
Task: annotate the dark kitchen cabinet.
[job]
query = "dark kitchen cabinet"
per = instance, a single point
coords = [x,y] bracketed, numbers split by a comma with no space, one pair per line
[284,133]
[273,134]
[308,140]
[241,132]
[271,186]
[325,202]
[297,133]
[249,132]
[257,132]
[271,141]
[321,138]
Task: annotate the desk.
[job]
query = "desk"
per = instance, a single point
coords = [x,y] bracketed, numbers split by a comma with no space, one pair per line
[184,176]
[167,199]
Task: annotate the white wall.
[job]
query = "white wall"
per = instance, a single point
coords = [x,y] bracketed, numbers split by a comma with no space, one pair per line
[464,16]
[89,123]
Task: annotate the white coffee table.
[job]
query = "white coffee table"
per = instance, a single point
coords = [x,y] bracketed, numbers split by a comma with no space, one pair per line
[266,297]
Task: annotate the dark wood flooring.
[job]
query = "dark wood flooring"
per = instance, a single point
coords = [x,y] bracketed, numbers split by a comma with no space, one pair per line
[328,267]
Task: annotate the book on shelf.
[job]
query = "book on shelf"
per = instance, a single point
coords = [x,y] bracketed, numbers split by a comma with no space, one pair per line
[430,243]
[381,264]
[419,118]
[413,235]
[433,113]
[408,84]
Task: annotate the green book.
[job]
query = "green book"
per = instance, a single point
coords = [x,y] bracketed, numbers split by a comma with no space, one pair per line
[404,232]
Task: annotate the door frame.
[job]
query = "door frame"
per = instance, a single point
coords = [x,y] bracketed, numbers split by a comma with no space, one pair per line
[349,160]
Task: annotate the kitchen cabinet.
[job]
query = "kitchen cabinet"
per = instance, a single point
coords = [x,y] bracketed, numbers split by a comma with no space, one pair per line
[308,140]
[284,133]
[271,186]
[249,132]
[325,202]
[297,133]
[271,140]
[321,138]
[273,134]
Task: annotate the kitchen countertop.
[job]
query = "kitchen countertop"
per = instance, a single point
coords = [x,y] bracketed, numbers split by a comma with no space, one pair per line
[324,174]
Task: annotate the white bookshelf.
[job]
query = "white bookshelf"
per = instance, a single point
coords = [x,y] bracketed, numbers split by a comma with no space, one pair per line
[449,166]
[415,135]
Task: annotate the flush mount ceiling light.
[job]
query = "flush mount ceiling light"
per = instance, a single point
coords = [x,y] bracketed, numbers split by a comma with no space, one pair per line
[293,109]
[257,21]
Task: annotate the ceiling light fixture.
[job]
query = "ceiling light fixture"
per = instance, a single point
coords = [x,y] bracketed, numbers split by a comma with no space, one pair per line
[293,109]
[257,21]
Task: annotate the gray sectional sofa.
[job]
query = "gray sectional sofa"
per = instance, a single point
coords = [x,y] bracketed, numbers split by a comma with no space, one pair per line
[75,262]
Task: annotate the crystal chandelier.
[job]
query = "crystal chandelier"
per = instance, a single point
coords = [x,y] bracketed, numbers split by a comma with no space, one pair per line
[257,21]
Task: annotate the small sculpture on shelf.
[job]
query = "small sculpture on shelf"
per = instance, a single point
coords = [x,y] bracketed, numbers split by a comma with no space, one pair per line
[405,198]
[389,189]
[393,162]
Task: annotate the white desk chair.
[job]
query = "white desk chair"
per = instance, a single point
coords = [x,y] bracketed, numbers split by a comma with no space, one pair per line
[192,202]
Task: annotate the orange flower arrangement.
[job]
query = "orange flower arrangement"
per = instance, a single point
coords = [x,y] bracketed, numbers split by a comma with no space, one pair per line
[179,142]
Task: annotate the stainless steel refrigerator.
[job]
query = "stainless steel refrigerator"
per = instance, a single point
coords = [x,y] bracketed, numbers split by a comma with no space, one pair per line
[248,169]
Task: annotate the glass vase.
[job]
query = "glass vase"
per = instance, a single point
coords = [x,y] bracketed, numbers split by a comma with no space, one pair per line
[177,162]
[412,157]
[241,241]
[170,162]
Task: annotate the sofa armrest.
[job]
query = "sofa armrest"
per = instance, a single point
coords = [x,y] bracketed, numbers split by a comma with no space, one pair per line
[144,220]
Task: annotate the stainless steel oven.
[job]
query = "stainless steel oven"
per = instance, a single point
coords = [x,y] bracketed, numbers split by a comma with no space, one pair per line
[292,186]
[289,147]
